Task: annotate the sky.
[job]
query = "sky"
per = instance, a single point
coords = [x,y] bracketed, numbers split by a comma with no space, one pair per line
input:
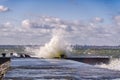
[84,22]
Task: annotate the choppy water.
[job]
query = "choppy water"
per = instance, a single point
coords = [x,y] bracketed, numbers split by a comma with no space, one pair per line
[113,65]
[56,69]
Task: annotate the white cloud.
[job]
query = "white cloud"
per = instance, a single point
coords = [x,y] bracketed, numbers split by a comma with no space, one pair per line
[8,24]
[117,19]
[98,20]
[82,32]
[26,23]
[3,8]
[45,25]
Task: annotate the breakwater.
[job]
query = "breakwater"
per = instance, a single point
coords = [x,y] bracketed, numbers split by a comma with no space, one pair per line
[4,65]
[57,69]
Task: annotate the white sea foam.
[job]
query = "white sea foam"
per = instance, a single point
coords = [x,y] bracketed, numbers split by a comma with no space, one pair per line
[113,65]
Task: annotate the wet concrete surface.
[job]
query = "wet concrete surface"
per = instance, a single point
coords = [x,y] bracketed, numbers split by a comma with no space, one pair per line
[56,69]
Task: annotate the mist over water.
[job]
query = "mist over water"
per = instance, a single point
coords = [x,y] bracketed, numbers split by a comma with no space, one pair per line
[113,65]
[54,48]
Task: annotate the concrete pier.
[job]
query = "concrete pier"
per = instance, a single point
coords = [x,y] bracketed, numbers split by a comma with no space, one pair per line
[56,69]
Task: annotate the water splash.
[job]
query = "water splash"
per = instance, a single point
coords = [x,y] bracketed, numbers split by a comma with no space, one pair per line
[54,48]
[113,65]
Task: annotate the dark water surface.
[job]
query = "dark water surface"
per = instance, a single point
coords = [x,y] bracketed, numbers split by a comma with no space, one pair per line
[56,69]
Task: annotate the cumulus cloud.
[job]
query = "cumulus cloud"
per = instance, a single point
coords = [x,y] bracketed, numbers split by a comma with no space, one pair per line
[73,28]
[117,19]
[26,23]
[7,24]
[47,23]
[3,8]
[98,20]
[82,32]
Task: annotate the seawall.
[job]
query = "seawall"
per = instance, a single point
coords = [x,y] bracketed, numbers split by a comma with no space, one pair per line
[4,65]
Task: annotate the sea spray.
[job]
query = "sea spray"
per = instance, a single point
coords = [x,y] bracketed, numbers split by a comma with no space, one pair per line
[56,47]
[113,65]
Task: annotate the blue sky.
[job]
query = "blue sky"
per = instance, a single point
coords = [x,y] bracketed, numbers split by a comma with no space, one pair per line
[95,19]
[65,9]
